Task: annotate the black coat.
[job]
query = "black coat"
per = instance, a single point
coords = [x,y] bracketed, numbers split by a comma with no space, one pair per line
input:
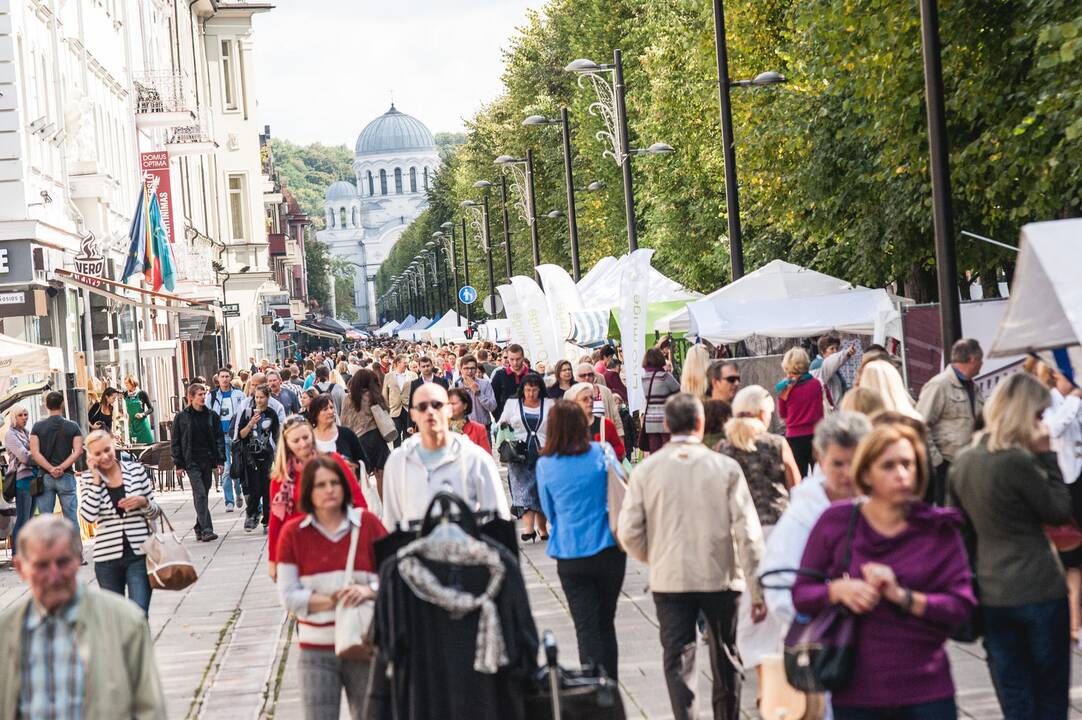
[184,441]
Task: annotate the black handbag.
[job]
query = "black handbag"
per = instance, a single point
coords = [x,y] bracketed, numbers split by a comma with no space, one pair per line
[819,651]
[556,692]
[9,482]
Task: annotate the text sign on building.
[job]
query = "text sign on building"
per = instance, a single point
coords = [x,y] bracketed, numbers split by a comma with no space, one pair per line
[156,166]
[231,310]
[12,298]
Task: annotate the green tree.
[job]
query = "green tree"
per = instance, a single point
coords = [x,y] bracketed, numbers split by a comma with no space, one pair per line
[307,170]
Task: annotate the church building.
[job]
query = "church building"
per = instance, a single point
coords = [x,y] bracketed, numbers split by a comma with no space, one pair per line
[394,163]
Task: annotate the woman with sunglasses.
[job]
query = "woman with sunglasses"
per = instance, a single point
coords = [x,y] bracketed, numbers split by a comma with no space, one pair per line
[296,447]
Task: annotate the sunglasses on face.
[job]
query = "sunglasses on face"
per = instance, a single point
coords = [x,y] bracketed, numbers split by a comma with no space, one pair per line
[731,379]
[424,405]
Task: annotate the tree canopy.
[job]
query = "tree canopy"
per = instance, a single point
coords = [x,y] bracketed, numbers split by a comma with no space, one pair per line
[832,165]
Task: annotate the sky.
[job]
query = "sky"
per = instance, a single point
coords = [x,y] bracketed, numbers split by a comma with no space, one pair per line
[325,68]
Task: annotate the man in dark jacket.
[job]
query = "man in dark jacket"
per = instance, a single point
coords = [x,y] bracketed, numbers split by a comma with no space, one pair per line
[428,375]
[199,449]
[506,380]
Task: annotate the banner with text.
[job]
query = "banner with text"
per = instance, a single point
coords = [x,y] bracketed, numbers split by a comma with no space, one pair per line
[155,167]
[634,288]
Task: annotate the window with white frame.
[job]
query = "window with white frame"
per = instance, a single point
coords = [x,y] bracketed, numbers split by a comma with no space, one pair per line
[237,224]
[230,90]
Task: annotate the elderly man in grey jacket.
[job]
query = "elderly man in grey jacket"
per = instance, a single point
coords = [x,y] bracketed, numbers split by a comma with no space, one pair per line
[951,404]
[688,513]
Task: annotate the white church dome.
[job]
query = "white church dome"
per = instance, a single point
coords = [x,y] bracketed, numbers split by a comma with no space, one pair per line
[394,131]
[341,190]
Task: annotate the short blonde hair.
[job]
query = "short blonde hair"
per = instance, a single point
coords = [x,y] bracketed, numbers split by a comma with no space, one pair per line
[863,400]
[1011,413]
[795,361]
[883,377]
[746,425]
[95,436]
[693,375]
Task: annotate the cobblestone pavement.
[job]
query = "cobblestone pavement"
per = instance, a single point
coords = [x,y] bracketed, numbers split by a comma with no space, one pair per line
[225,647]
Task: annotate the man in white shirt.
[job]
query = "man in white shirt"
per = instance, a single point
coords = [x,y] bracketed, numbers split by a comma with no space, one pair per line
[226,400]
[435,459]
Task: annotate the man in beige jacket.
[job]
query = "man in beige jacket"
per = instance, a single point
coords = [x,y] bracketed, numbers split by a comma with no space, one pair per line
[686,509]
[951,404]
[68,650]
[396,391]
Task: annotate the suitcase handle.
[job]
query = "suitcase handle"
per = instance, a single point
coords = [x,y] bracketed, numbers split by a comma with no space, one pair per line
[549,641]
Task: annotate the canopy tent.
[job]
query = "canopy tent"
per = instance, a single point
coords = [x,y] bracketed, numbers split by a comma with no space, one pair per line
[600,290]
[406,324]
[859,311]
[496,330]
[387,329]
[777,280]
[317,328]
[414,332]
[441,329]
[24,360]
[1044,311]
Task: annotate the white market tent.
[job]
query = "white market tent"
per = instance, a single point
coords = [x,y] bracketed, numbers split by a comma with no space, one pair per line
[413,332]
[24,361]
[786,300]
[1044,311]
[444,328]
[776,280]
[387,329]
[497,330]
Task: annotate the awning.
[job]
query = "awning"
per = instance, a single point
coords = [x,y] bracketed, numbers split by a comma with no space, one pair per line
[85,282]
[312,329]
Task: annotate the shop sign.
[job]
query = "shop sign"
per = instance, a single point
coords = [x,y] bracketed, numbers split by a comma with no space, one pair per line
[16,262]
[155,167]
[23,303]
[89,263]
[231,310]
[12,298]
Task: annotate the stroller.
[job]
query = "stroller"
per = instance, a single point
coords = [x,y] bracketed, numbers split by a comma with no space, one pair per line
[561,694]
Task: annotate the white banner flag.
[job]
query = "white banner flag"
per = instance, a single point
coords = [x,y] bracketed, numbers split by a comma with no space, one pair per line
[537,322]
[634,289]
[513,310]
[563,299]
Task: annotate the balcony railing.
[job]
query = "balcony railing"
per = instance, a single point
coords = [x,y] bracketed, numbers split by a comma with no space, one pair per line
[163,99]
[190,139]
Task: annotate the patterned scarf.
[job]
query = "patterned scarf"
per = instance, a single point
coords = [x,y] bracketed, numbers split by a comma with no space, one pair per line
[491,651]
[283,504]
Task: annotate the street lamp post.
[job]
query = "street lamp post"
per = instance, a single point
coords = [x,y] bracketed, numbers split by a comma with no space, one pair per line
[433,249]
[569,181]
[484,226]
[440,237]
[612,109]
[950,318]
[522,169]
[732,202]
[506,227]
[465,268]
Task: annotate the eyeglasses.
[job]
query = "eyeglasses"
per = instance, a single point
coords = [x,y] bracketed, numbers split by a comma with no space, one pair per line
[469,367]
[731,379]
[424,405]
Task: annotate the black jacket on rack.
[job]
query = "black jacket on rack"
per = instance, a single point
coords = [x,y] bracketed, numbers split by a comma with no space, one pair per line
[431,653]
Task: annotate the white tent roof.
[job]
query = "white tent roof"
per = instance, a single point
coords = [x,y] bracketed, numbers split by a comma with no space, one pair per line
[601,289]
[1044,311]
[497,330]
[21,359]
[387,329]
[777,280]
[443,329]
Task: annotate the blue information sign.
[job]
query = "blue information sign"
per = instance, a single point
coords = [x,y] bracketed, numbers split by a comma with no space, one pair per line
[467,294]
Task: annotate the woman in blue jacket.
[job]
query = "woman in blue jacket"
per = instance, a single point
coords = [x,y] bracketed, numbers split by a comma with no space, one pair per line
[572,480]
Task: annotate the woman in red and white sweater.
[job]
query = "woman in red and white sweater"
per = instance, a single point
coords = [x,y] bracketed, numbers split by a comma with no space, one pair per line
[800,406]
[313,550]
[296,447]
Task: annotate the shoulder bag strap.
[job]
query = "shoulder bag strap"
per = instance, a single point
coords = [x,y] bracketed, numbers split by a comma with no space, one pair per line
[848,557]
[354,534]
[650,388]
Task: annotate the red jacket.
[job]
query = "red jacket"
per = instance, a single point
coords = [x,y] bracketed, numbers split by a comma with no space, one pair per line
[612,438]
[476,432]
[802,409]
[274,528]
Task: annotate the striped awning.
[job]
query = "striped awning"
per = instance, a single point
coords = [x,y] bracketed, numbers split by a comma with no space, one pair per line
[589,328]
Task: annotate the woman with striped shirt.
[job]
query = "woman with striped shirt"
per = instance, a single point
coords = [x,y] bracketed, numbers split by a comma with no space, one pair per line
[312,581]
[119,497]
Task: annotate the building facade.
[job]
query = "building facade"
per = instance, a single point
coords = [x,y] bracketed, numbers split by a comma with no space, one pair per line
[395,161]
[102,98]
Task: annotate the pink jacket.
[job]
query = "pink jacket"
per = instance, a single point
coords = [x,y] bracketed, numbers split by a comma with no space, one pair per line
[802,409]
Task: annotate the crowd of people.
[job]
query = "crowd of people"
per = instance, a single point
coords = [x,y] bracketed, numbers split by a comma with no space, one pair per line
[943,516]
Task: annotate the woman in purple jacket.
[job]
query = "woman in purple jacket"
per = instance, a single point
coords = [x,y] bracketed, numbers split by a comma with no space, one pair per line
[908,582]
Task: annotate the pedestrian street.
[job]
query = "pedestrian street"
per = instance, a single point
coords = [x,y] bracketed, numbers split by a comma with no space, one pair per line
[226,649]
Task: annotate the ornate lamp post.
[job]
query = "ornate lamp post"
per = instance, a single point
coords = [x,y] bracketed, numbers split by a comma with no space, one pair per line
[450,250]
[569,181]
[611,107]
[506,226]
[523,183]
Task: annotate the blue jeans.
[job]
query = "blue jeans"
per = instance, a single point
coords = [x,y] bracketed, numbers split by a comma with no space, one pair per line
[935,710]
[62,487]
[25,507]
[1029,656]
[130,572]
[229,485]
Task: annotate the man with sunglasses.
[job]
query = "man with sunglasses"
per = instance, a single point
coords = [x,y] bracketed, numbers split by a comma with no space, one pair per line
[724,378]
[435,459]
